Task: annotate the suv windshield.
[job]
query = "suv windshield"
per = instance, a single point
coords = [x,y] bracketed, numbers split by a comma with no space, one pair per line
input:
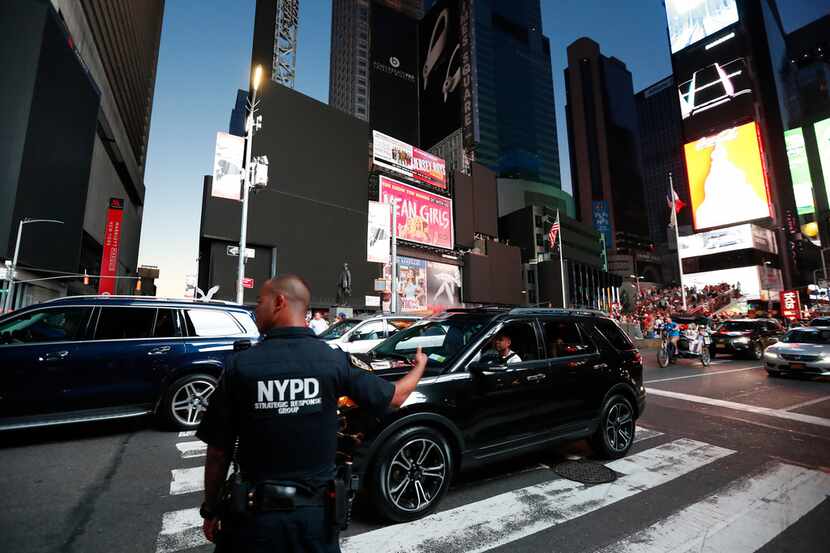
[732,326]
[339,329]
[802,336]
[440,340]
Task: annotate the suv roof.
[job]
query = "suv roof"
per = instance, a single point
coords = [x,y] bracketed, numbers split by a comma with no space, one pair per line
[138,300]
[529,311]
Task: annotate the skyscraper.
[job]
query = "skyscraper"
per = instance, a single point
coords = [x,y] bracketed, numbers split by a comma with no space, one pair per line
[603,133]
[78,96]
[349,70]
[509,117]
[661,146]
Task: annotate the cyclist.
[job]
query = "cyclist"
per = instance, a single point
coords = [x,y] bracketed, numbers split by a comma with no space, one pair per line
[673,332]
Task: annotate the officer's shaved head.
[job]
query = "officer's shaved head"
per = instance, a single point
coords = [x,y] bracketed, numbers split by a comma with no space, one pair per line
[282,301]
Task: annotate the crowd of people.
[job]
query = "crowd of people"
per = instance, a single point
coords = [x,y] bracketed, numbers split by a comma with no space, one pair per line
[657,303]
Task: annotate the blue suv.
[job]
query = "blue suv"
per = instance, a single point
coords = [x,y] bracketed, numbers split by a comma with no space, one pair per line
[91,358]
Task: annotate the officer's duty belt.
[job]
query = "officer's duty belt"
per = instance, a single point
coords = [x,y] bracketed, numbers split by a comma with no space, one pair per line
[284,496]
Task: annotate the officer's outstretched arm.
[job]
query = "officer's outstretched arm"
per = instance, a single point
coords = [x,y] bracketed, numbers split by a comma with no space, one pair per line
[407,384]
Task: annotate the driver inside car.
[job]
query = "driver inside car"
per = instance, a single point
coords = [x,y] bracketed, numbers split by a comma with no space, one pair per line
[502,355]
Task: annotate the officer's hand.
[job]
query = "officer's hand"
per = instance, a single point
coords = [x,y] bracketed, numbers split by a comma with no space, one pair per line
[209,527]
[420,360]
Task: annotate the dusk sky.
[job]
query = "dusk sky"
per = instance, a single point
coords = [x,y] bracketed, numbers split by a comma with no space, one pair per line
[205,56]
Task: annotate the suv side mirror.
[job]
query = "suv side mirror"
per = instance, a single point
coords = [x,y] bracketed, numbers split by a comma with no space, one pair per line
[241,345]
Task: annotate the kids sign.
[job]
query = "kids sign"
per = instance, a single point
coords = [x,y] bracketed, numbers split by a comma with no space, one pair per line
[790,304]
[420,216]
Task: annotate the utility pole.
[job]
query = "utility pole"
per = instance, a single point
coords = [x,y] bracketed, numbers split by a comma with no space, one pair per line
[7,304]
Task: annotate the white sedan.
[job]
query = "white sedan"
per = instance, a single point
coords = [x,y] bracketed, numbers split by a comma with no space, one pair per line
[360,336]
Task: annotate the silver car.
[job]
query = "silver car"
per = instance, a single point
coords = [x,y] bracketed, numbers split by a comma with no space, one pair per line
[804,351]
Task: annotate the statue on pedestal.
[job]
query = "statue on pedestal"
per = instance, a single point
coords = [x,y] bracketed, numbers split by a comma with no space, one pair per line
[344,285]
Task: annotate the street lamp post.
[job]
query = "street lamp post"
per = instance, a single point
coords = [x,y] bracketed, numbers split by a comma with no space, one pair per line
[10,291]
[637,280]
[243,231]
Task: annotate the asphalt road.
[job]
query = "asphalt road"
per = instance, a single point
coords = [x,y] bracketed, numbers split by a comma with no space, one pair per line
[727,459]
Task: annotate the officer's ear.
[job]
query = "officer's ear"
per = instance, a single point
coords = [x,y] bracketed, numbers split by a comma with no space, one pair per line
[279,302]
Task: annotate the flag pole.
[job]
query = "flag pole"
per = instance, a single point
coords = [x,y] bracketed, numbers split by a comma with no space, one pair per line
[561,261]
[677,241]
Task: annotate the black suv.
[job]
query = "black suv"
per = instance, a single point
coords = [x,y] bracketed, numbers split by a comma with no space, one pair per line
[575,374]
[100,357]
[746,337]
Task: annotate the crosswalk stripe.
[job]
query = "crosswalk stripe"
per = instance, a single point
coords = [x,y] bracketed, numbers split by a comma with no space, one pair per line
[740,519]
[180,530]
[192,449]
[187,434]
[642,433]
[510,516]
[187,480]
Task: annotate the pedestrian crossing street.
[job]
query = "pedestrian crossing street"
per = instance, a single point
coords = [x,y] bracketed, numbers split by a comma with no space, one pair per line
[742,515]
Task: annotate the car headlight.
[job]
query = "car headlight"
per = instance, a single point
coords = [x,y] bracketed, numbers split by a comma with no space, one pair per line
[360,364]
[770,354]
[741,340]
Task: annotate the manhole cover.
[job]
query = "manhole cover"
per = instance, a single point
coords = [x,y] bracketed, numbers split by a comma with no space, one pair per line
[587,472]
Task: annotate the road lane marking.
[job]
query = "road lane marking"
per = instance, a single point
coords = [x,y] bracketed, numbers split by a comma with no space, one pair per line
[180,530]
[192,449]
[511,516]
[641,433]
[742,518]
[712,373]
[806,403]
[778,413]
[187,480]
[187,434]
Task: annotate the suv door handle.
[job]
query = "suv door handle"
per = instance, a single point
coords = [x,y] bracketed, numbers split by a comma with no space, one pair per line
[536,377]
[54,356]
[601,366]
[159,350]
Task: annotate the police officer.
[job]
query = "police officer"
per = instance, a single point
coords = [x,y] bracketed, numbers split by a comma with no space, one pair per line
[278,403]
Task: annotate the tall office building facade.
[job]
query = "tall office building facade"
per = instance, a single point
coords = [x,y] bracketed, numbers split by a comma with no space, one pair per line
[661,147]
[603,132]
[509,117]
[78,93]
[350,63]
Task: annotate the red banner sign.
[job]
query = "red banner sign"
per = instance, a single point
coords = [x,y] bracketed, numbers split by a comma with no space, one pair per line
[247,283]
[420,216]
[112,241]
[790,304]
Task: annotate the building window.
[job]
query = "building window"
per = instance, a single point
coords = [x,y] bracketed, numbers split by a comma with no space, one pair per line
[531,276]
[538,220]
[539,240]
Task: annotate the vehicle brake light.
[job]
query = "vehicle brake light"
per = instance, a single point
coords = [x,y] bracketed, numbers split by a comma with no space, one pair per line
[345,401]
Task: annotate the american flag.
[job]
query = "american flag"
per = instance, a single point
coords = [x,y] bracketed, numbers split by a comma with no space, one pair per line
[554,232]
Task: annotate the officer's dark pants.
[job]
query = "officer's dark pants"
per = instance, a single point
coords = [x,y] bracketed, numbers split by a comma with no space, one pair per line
[304,530]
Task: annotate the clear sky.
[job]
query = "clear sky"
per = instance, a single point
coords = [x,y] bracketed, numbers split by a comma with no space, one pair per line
[205,55]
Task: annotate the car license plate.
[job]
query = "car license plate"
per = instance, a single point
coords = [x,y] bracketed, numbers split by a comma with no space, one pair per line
[797,365]
[720,346]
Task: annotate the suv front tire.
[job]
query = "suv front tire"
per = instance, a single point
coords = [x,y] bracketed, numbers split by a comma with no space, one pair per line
[410,474]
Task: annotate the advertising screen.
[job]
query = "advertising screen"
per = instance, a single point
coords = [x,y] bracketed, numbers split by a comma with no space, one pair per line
[790,304]
[379,233]
[714,93]
[800,171]
[394,67]
[420,216]
[446,72]
[425,285]
[409,161]
[727,182]
[823,139]
[412,284]
[227,166]
[443,285]
[750,280]
[728,239]
[693,20]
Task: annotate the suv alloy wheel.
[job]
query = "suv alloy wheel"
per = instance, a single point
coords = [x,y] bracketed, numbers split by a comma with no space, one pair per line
[187,399]
[411,473]
[615,433]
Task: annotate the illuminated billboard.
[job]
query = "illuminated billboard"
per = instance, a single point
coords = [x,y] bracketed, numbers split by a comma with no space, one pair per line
[727,182]
[691,21]
[799,171]
[727,239]
[823,140]
[714,93]
[750,280]
[420,216]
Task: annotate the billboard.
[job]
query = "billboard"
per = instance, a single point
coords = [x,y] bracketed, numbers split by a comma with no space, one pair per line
[425,285]
[790,304]
[379,234]
[727,239]
[799,171]
[227,166]
[727,180]
[823,140]
[714,93]
[112,243]
[447,72]
[602,221]
[443,285]
[750,280]
[420,216]
[393,81]
[409,161]
[691,21]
